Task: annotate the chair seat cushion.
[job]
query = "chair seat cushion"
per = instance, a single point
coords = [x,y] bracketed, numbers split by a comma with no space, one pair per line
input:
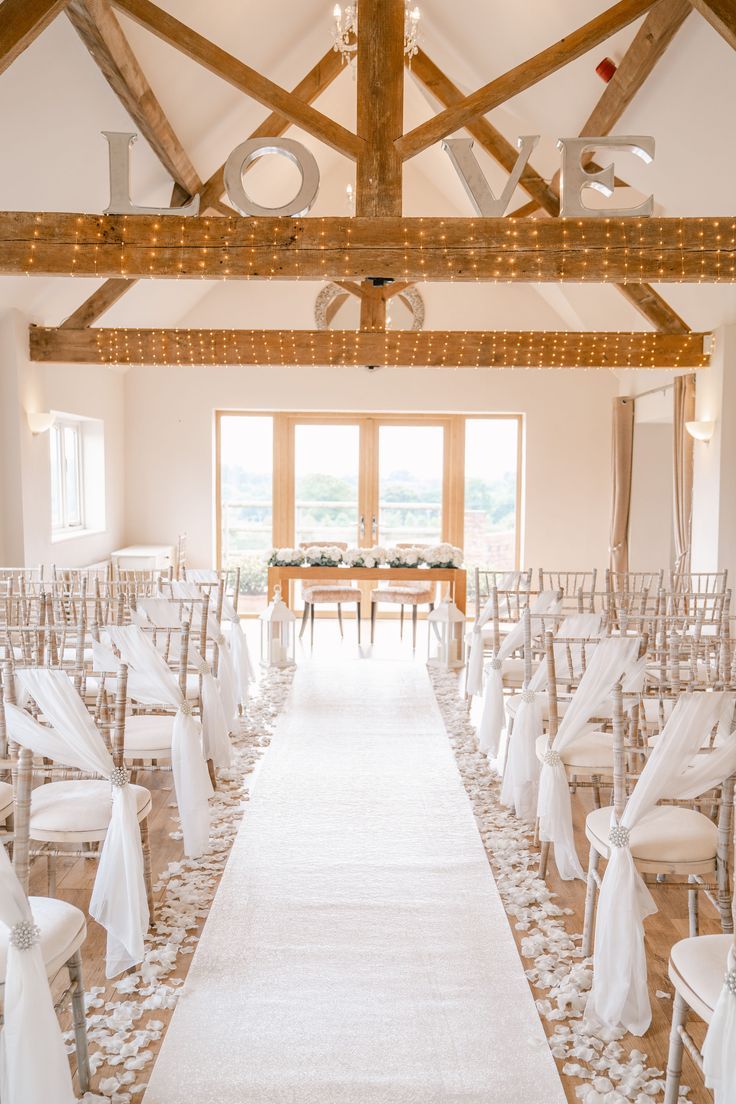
[63,931]
[669,834]
[591,753]
[408,595]
[331,593]
[78,810]
[6,800]
[148,737]
[697,968]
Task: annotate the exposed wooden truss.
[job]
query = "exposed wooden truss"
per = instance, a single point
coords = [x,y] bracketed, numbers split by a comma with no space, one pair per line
[623,250]
[21,21]
[313,85]
[380,107]
[646,300]
[241,76]
[522,76]
[721,14]
[418,348]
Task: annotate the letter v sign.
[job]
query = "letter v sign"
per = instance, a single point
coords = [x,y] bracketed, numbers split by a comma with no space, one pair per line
[460,151]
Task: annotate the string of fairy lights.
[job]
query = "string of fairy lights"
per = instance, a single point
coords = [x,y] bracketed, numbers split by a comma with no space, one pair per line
[600,250]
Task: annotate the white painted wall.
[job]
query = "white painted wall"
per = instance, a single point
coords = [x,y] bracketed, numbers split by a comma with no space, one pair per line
[170,441]
[650,519]
[714,501]
[87,391]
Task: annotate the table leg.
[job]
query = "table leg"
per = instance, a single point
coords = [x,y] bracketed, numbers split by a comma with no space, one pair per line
[461,589]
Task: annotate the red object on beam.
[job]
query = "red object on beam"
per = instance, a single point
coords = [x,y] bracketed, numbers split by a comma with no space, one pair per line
[605,69]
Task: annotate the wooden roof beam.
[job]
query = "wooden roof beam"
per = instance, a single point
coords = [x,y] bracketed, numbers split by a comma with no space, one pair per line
[522,76]
[423,348]
[590,250]
[241,76]
[21,21]
[721,14]
[309,88]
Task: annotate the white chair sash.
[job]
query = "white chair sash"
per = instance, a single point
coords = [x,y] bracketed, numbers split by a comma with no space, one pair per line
[675,769]
[152,683]
[719,1049]
[33,1064]
[520,785]
[119,901]
[613,658]
[165,613]
[492,716]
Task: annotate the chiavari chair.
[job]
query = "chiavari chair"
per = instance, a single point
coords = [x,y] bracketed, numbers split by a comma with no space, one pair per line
[675,839]
[578,587]
[62,926]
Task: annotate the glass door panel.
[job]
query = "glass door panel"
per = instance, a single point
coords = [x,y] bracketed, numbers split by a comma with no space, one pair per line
[246,502]
[326,482]
[410,484]
[491,483]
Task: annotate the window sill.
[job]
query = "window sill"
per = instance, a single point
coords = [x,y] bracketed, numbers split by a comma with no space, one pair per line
[75,534]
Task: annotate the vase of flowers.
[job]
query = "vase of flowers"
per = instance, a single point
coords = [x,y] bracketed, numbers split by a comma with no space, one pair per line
[363,557]
[442,555]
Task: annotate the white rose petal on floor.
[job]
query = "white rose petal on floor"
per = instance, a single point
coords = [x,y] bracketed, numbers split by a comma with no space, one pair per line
[357,950]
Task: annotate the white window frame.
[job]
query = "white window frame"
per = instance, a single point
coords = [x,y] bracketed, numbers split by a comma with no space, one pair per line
[58,428]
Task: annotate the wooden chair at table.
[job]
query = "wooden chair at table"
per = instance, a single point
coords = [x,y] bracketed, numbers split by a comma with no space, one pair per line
[70,815]
[675,839]
[62,926]
[327,592]
[404,593]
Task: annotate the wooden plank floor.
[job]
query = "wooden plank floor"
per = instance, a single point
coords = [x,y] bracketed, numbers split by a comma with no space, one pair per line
[76,877]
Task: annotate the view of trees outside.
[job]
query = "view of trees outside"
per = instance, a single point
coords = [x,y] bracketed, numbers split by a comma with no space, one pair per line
[326,484]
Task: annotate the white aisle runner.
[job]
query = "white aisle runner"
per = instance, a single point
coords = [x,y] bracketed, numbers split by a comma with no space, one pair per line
[357,951]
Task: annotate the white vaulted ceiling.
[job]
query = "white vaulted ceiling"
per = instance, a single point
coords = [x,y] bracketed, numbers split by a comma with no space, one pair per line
[54,102]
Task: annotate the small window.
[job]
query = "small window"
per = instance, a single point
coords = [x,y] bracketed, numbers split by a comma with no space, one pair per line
[67,486]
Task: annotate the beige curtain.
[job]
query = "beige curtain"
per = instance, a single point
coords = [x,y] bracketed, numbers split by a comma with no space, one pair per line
[623,451]
[684,411]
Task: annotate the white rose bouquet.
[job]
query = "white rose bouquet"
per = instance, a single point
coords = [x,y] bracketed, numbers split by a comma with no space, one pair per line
[327,556]
[363,557]
[286,557]
[403,557]
[442,555]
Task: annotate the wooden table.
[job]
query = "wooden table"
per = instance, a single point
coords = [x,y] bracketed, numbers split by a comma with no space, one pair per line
[455,576]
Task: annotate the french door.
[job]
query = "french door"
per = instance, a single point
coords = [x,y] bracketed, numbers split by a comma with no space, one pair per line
[282,479]
[366,480]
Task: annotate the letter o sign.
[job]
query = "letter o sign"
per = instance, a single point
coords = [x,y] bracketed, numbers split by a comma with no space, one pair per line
[249,151]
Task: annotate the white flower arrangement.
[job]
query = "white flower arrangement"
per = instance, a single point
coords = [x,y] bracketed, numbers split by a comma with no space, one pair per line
[436,555]
[363,557]
[325,556]
[442,555]
[286,557]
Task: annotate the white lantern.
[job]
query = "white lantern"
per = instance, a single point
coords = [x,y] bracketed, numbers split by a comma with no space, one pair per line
[277,634]
[447,636]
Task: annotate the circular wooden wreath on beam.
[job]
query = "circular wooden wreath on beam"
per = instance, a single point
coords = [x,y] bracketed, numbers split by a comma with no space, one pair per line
[332,297]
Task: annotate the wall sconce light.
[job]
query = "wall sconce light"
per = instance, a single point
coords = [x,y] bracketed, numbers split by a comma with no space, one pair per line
[40,423]
[700,431]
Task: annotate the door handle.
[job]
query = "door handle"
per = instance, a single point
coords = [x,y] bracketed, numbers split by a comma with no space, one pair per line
[362,526]
[374,527]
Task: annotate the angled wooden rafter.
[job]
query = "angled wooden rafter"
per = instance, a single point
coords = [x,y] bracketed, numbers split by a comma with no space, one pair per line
[309,88]
[647,301]
[21,21]
[522,76]
[592,250]
[721,14]
[424,348]
[241,76]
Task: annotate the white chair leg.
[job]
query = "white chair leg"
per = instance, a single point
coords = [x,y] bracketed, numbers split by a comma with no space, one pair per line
[339,620]
[674,1058]
[590,896]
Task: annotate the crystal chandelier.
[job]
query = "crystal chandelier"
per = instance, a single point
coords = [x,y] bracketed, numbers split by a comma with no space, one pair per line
[345,30]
